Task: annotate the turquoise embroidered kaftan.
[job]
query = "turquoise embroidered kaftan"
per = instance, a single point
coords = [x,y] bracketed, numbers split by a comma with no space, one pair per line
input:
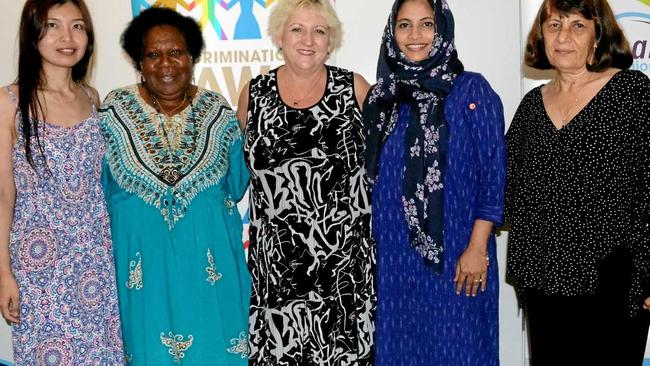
[171,187]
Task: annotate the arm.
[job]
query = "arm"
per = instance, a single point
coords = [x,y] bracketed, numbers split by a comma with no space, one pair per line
[361,88]
[242,106]
[485,115]
[237,178]
[641,252]
[8,287]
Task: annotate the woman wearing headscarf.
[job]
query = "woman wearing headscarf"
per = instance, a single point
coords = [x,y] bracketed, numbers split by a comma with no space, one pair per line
[436,160]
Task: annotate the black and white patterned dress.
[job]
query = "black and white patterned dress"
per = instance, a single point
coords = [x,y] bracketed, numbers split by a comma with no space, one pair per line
[310,255]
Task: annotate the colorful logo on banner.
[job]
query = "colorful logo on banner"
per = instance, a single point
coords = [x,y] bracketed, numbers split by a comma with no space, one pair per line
[246,26]
[636,23]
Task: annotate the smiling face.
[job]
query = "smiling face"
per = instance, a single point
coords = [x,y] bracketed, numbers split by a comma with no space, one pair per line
[64,39]
[305,39]
[166,63]
[569,41]
[415,29]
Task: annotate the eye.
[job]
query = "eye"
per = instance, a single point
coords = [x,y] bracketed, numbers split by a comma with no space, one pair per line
[402,25]
[152,55]
[428,24]
[80,26]
[296,29]
[553,25]
[321,31]
[50,25]
[579,26]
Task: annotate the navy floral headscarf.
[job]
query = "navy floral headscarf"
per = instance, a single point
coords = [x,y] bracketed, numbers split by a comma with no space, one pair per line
[423,86]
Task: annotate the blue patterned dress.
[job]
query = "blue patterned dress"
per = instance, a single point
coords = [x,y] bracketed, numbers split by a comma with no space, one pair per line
[181,274]
[61,251]
[420,319]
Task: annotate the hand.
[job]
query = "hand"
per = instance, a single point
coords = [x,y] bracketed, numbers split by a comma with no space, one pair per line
[471,271]
[646,304]
[9,305]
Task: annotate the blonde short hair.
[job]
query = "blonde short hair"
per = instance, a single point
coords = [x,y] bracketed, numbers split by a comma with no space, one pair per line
[284,8]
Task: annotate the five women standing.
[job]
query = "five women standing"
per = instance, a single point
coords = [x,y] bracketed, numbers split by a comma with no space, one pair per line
[578,197]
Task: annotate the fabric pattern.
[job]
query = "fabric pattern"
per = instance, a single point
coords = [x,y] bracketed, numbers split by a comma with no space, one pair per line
[144,168]
[61,251]
[577,194]
[310,256]
[420,319]
[423,85]
[181,271]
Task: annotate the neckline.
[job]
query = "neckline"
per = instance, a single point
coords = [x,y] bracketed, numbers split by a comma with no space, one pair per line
[581,111]
[287,105]
[92,115]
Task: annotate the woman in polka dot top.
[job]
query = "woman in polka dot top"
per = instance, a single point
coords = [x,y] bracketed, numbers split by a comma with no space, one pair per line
[578,191]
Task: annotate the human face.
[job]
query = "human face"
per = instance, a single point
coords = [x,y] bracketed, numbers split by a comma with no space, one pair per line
[305,39]
[166,63]
[415,29]
[569,41]
[64,39]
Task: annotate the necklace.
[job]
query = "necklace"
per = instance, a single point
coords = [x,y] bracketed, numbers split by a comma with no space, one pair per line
[160,108]
[172,128]
[564,116]
[296,102]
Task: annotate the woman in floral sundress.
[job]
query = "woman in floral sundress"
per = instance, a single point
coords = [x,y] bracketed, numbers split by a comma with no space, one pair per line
[57,281]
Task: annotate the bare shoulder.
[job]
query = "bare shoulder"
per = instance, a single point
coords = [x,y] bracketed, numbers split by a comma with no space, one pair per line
[8,107]
[361,88]
[94,95]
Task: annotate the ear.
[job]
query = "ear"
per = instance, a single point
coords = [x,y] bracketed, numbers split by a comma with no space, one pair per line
[277,41]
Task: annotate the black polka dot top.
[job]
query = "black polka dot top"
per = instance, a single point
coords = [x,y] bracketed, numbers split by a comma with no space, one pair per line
[577,194]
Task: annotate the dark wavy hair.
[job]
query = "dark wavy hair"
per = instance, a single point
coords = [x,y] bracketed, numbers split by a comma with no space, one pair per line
[133,36]
[613,50]
[30,77]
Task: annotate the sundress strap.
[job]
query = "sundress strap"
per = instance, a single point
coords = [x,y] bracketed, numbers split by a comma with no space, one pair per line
[12,95]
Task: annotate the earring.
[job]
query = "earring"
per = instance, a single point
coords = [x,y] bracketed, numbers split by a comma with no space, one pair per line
[142,79]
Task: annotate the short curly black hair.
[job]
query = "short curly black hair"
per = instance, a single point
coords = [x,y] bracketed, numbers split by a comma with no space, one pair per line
[133,37]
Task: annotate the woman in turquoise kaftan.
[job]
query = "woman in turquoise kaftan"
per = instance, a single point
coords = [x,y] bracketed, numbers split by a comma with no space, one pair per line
[181,274]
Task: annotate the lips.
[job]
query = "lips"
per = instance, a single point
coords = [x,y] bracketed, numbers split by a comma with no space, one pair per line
[67,51]
[306,52]
[416,47]
[168,78]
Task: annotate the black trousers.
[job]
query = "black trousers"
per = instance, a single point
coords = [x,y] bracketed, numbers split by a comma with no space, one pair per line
[591,329]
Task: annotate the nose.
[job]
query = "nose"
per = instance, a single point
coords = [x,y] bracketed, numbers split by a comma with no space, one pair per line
[165,60]
[563,33]
[415,33]
[308,39]
[66,34]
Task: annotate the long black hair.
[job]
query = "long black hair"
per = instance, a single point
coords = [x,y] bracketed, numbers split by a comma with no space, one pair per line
[30,72]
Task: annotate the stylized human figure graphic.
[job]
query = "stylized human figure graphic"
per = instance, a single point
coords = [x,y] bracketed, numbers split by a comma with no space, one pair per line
[247,26]
[208,14]
[138,5]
